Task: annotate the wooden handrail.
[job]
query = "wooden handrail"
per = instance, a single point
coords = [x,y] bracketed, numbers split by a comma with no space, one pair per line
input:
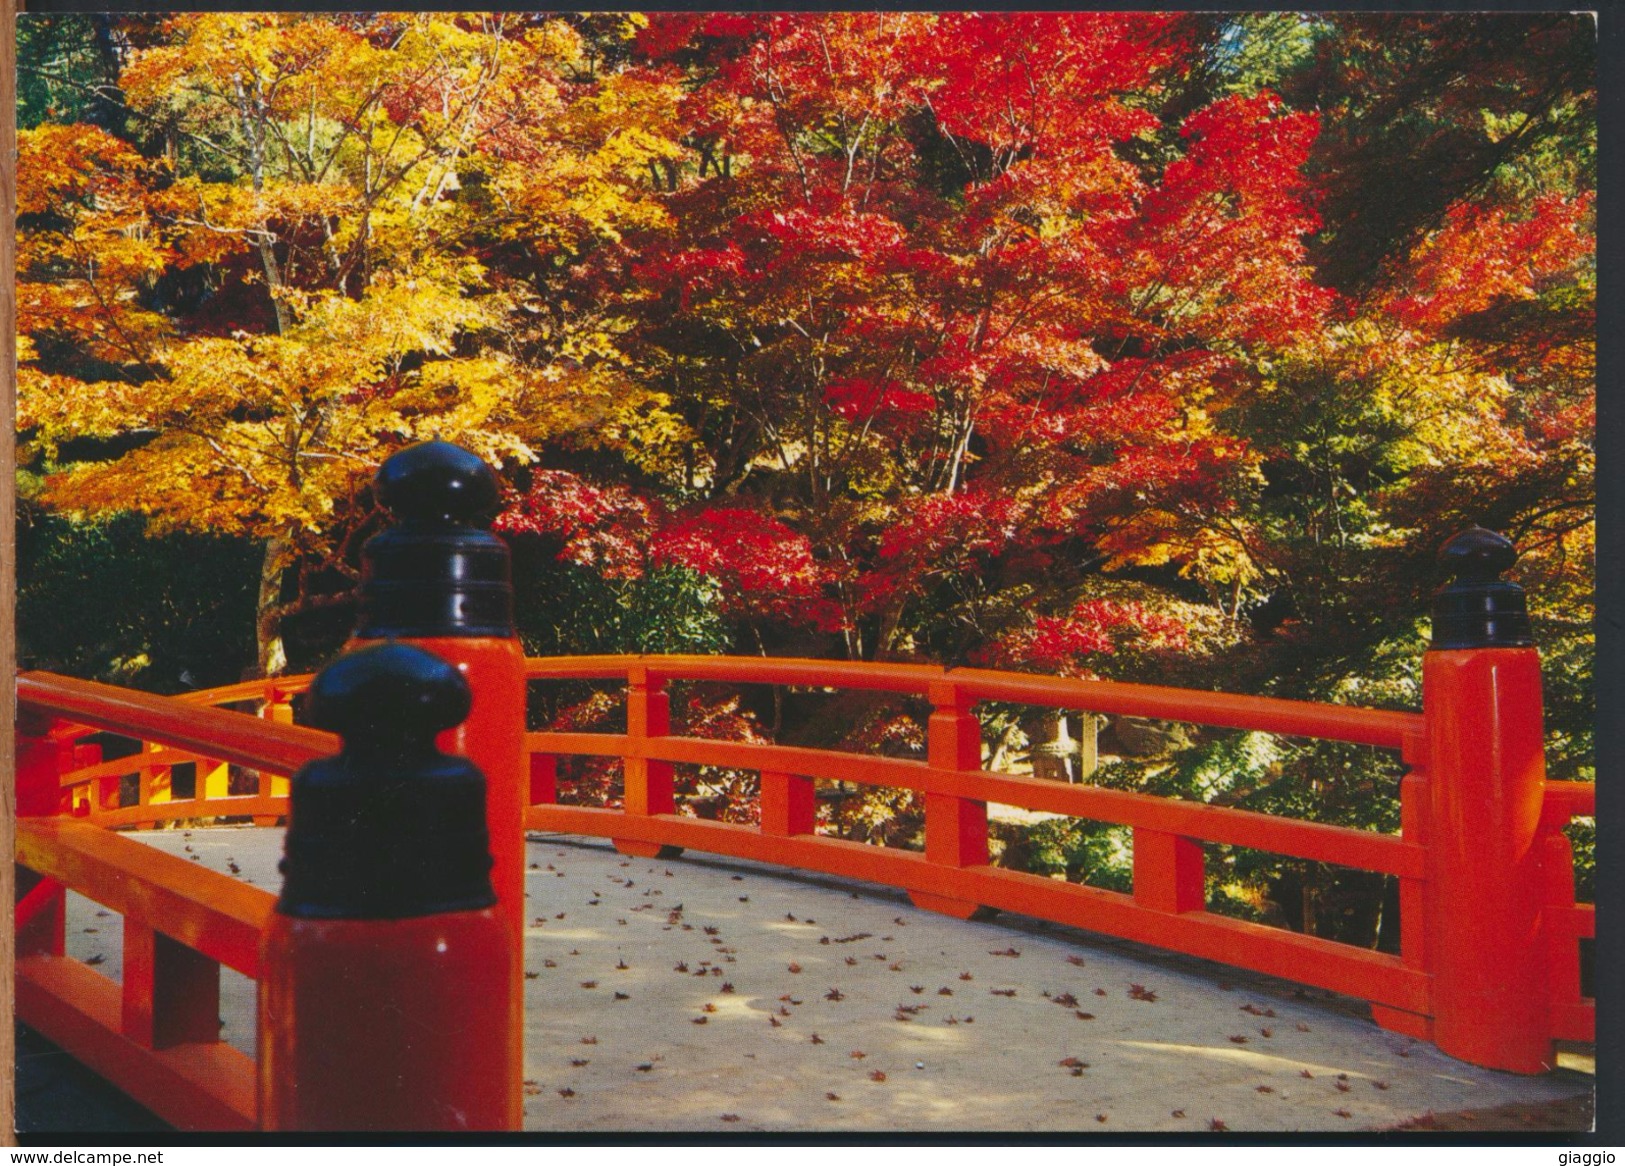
[209,912]
[1316,841]
[1264,714]
[1380,727]
[217,733]
[221,920]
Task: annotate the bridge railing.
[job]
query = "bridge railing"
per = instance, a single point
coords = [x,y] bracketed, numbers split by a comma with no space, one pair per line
[156,1032]
[1167,906]
[149,1034]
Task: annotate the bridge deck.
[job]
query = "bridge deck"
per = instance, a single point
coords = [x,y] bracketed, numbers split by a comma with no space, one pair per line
[709,995]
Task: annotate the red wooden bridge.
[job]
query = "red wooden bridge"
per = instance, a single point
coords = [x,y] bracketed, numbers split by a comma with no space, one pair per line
[1489,960]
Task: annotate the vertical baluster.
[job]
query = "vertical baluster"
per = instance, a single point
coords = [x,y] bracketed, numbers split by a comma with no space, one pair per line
[544,779]
[1169,872]
[955,827]
[278,709]
[157,781]
[78,801]
[1412,900]
[649,785]
[788,805]
[107,795]
[1557,920]
[214,781]
[44,752]
[171,993]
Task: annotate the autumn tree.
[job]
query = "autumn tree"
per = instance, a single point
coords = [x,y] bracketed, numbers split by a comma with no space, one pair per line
[1164,347]
[922,303]
[303,199]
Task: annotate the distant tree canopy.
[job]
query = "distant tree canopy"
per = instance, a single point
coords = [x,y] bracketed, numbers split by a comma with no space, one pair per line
[1121,344]
[1139,345]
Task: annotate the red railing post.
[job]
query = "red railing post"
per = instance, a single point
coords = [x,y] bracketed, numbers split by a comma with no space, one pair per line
[649,786]
[436,581]
[388,997]
[44,754]
[278,709]
[1481,699]
[789,804]
[955,827]
[1169,872]
[544,779]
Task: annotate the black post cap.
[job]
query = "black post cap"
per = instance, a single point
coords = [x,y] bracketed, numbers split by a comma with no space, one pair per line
[1479,609]
[391,827]
[434,573]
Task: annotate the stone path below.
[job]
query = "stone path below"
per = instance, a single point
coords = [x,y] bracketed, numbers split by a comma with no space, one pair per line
[705,994]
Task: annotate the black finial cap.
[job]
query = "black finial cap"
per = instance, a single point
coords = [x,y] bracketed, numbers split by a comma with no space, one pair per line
[1479,609]
[391,827]
[434,573]
[436,482]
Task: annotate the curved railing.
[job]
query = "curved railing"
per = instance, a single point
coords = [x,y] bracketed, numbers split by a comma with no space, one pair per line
[1166,906]
[169,737]
[181,922]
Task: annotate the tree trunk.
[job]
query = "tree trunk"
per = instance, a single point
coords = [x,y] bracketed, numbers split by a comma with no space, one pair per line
[269,653]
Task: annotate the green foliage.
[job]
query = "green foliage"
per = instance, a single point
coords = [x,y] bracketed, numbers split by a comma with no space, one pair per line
[103,600]
[564,609]
[1095,853]
[1582,833]
[1567,671]
[1256,50]
[63,70]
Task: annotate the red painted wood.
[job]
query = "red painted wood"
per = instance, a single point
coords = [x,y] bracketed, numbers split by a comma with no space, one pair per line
[1313,840]
[1486,777]
[216,915]
[1475,758]
[648,783]
[788,804]
[1168,872]
[192,1086]
[223,735]
[390,1024]
[171,993]
[544,779]
[493,737]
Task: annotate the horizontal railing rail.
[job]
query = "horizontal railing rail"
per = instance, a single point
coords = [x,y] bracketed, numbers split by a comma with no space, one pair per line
[184,923]
[1316,841]
[215,733]
[155,1032]
[1167,905]
[1380,727]
[173,732]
